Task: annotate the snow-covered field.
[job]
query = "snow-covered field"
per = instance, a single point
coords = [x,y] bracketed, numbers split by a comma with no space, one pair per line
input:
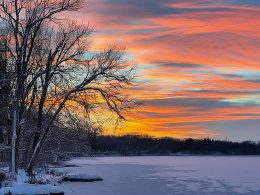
[166,175]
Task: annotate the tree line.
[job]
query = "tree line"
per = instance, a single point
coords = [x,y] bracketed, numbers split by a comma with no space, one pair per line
[145,145]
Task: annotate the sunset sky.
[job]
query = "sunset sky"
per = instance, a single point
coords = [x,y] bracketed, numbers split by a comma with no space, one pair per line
[198,62]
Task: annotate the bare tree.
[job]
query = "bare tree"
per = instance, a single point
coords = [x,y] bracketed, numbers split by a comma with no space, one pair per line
[54,67]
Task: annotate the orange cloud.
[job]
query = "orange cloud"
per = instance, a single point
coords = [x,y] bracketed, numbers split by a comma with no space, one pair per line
[191,52]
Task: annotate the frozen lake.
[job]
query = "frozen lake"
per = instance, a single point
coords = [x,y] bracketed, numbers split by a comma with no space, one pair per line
[167,175]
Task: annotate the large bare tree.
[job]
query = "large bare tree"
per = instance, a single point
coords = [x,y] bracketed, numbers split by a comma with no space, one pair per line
[53,67]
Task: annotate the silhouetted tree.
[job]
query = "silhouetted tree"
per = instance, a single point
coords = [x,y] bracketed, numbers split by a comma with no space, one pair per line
[54,68]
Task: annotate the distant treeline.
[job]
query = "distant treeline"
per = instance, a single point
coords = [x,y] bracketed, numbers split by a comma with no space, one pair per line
[145,145]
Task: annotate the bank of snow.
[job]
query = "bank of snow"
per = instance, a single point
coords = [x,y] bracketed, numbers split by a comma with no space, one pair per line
[81,178]
[31,189]
[44,181]
[21,186]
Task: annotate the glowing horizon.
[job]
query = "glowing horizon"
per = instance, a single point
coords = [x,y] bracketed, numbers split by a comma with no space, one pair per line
[198,62]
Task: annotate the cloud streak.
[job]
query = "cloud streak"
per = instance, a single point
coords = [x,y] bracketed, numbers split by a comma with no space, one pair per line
[198,62]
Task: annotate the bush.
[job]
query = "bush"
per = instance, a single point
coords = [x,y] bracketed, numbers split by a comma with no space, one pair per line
[2,177]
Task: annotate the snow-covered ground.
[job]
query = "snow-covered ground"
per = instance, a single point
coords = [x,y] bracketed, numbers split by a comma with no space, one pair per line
[21,186]
[166,175]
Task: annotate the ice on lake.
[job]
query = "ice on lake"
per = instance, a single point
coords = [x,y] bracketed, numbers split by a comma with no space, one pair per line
[166,175]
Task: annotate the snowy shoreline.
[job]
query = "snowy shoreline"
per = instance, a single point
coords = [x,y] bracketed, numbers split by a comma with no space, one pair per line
[169,155]
[155,175]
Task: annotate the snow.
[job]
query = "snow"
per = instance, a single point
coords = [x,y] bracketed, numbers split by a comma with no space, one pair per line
[166,175]
[82,177]
[21,185]
[30,189]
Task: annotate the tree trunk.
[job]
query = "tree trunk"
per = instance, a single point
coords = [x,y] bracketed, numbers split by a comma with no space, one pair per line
[14,137]
[33,157]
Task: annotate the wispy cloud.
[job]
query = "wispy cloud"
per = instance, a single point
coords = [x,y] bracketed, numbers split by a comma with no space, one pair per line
[198,60]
